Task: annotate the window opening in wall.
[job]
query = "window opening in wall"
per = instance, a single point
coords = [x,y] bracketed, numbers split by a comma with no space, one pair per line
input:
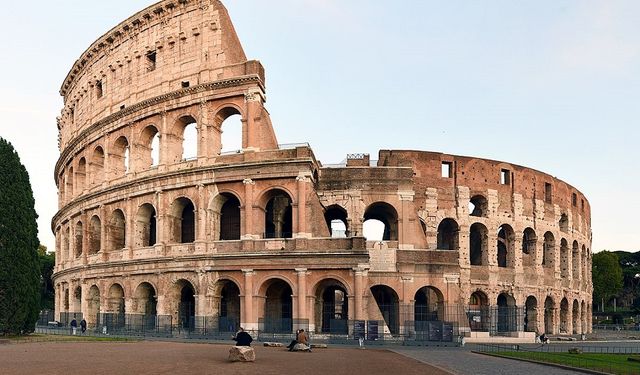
[505,177]
[574,199]
[151,61]
[185,84]
[99,89]
[548,192]
[446,169]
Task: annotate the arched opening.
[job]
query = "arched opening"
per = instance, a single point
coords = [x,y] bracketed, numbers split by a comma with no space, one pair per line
[506,238]
[331,307]
[187,305]
[146,231]
[478,206]
[182,219]
[564,316]
[229,218]
[564,223]
[549,249]
[95,233]
[81,175]
[97,162]
[278,215]
[119,162]
[278,307]
[575,313]
[549,309]
[229,314]
[564,258]
[93,306]
[529,239]
[336,218]
[478,244]
[116,231]
[387,301]
[507,313]
[448,235]
[145,306]
[189,138]
[575,261]
[531,314]
[478,312]
[428,308]
[114,318]
[385,214]
[78,239]
[230,124]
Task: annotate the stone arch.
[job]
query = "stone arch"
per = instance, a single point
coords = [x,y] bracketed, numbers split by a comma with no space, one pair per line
[564,258]
[226,120]
[93,305]
[182,221]
[97,165]
[531,314]
[277,310]
[529,241]
[549,250]
[225,209]
[146,226]
[448,235]
[506,246]
[95,235]
[478,244]
[564,316]
[386,214]
[549,312]
[507,320]
[278,219]
[479,311]
[331,307]
[388,304]
[79,239]
[337,221]
[119,157]
[116,231]
[149,146]
[81,175]
[478,206]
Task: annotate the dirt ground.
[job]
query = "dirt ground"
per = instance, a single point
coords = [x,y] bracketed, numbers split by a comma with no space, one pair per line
[147,357]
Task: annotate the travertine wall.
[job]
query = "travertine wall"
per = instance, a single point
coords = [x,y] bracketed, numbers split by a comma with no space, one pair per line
[131,229]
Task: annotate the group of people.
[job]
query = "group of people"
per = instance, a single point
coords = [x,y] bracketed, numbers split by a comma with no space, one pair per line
[74,326]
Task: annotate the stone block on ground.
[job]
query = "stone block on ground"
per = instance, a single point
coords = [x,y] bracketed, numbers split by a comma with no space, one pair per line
[273,344]
[242,354]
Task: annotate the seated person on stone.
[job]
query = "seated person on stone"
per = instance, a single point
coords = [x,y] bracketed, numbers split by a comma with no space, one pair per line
[242,338]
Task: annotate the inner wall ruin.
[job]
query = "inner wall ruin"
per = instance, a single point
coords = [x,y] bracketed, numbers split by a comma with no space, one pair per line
[268,238]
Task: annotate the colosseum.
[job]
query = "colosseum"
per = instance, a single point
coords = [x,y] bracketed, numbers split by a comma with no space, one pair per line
[156,233]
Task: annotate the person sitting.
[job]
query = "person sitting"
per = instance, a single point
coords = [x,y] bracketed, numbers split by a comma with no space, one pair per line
[242,338]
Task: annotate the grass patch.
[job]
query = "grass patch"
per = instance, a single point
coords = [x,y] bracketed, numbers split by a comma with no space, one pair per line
[609,363]
[60,338]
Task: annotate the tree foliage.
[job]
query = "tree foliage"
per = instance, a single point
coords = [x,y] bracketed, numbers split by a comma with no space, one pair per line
[607,276]
[19,265]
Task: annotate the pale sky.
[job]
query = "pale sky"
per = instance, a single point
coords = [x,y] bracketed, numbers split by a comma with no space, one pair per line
[552,85]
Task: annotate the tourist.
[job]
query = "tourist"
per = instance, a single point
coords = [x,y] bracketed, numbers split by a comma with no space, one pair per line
[74,326]
[242,338]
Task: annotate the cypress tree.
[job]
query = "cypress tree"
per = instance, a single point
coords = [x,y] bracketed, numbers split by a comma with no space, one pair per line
[19,265]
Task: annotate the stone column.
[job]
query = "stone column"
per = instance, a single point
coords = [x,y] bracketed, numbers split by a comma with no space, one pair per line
[248,209]
[247,317]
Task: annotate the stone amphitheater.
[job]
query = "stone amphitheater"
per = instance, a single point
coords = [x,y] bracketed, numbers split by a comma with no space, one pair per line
[155,220]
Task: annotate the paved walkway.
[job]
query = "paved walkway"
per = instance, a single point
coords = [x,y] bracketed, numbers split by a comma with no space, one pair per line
[462,361]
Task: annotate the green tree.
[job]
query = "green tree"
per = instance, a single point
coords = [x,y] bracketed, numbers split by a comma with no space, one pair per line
[47,263]
[19,265]
[607,276]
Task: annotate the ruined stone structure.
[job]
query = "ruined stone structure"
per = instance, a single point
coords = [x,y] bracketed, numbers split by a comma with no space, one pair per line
[267,233]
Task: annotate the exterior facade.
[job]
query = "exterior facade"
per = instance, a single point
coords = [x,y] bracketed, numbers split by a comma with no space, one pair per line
[267,237]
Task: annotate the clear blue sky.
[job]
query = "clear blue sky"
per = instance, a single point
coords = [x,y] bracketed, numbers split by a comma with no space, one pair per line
[553,85]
